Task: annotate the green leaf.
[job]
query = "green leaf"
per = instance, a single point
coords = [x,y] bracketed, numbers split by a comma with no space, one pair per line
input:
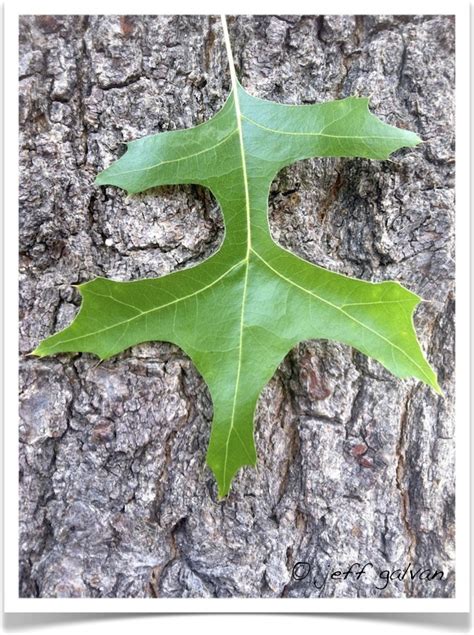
[238,313]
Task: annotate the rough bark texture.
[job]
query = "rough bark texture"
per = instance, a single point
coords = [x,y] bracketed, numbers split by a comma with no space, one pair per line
[354,465]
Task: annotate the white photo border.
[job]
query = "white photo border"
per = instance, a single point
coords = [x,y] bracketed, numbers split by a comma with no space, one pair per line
[12,603]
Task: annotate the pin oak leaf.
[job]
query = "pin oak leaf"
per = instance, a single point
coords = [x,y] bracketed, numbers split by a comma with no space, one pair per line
[238,313]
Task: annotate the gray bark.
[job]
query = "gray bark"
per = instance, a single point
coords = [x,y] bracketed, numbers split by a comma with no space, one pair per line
[353,464]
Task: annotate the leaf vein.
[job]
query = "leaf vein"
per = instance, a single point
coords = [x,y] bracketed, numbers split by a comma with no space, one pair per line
[335,306]
[154,310]
[313,134]
[185,158]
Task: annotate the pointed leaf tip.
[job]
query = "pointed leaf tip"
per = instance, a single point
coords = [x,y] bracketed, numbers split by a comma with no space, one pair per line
[438,390]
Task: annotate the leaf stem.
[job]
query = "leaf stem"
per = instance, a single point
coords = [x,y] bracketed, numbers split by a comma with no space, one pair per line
[230,56]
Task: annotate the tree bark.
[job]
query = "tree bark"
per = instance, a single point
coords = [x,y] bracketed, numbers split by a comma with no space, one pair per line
[354,465]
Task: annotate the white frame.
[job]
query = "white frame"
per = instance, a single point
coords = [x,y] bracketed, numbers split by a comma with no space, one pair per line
[12,602]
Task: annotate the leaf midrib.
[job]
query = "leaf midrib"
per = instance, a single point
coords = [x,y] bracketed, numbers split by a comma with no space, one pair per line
[238,117]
